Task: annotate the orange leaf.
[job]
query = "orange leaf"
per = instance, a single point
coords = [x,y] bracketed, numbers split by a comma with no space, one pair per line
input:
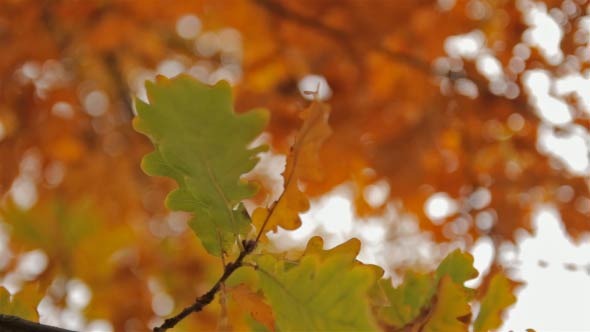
[254,303]
[302,165]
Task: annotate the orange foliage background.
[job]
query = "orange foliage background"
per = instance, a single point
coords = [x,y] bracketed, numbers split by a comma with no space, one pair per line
[68,70]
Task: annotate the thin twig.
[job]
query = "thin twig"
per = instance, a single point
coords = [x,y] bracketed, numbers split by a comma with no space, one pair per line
[270,212]
[223,324]
[295,153]
[206,298]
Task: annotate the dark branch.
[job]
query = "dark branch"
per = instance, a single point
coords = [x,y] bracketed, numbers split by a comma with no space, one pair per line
[343,37]
[208,297]
[122,89]
[422,65]
[282,11]
[15,324]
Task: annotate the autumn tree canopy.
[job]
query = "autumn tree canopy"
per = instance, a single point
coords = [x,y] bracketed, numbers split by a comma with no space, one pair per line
[454,101]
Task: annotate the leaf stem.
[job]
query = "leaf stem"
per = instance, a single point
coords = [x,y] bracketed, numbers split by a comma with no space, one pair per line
[288,179]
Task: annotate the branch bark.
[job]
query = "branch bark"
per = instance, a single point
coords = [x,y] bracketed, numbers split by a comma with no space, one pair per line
[10,323]
[208,297]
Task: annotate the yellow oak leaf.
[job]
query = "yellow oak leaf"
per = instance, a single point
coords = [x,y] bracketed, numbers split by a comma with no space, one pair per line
[451,312]
[498,297]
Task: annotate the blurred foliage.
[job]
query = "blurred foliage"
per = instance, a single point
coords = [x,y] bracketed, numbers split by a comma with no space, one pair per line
[70,180]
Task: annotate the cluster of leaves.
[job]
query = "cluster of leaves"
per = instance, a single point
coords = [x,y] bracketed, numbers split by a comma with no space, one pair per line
[203,145]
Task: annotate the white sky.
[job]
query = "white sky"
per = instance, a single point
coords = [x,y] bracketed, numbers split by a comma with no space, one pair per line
[554,298]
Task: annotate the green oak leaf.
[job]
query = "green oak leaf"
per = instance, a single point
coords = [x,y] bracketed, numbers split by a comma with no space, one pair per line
[497,298]
[458,265]
[203,145]
[320,292]
[407,300]
[414,300]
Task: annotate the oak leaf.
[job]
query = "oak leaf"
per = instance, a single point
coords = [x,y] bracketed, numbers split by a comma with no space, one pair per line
[254,303]
[203,145]
[451,311]
[302,165]
[407,301]
[320,292]
[416,302]
[458,265]
[498,297]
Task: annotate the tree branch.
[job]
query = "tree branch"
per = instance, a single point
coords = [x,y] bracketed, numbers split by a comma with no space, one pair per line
[122,88]
[343,37]
[248,247]
[206,298]
[10,323]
